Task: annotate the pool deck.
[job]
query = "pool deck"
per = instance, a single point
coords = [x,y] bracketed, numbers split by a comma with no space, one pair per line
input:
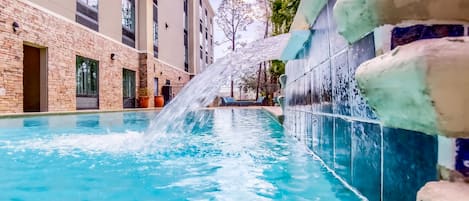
[32,114]
[274,111]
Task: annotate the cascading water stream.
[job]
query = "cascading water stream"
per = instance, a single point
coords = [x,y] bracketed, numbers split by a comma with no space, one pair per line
[203,89]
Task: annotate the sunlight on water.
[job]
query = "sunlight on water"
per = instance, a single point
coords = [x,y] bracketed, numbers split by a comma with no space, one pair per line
[183,153]
[203,89]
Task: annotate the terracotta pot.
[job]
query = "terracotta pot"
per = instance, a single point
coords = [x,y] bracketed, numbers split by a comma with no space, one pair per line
[143,101]
[159,101]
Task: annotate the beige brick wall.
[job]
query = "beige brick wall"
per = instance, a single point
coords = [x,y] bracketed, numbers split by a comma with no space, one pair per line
[64,39]
[163,71]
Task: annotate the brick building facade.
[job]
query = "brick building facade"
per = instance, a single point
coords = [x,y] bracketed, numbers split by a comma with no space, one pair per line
[58,41]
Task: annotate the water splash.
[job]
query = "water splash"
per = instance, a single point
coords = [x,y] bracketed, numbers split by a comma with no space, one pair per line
[203,89]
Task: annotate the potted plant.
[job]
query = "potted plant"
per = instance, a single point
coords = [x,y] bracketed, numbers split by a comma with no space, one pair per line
[143,99]
[159,101]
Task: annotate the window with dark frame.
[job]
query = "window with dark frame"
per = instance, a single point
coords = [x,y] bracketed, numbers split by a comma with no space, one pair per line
[186,39]
[87,83]
[155,28]
[201,52]
[128,22]
[201,27]
[128,83]
[87,14]
[87,77]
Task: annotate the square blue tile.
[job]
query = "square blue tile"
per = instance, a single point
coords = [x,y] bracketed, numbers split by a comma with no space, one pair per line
[308,89]
[320,47]
[409,161]
[366,159]
[309,131]
[315,134]
[343,148]
[358,53]
[337,42]
[341,78]
[316,90]
[326,87]
[326,140]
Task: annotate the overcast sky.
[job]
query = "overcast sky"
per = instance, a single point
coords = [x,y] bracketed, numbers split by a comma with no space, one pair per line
[253,32]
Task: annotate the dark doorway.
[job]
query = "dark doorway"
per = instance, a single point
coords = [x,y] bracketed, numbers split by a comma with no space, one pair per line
[34,79]
[128,88]
[167,91]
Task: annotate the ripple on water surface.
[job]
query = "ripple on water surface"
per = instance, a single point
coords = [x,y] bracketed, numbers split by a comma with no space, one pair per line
[237,155]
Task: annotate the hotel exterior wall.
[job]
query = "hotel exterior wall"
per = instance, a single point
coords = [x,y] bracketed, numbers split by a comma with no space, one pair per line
[64,40]
[66,8]
[326,111]
[171,39]
[151,68]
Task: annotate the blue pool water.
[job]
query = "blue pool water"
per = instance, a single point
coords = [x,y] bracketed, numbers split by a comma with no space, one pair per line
[237,155]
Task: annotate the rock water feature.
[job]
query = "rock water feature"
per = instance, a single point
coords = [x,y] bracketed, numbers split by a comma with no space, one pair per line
[203,89]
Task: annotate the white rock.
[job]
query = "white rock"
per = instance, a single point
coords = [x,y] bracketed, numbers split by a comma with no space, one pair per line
[306,14]
[444,191]
[356,18]
[422,86]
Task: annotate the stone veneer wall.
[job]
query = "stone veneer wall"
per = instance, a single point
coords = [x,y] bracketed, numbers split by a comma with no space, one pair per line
[64,40]
[326,112]
[163,72]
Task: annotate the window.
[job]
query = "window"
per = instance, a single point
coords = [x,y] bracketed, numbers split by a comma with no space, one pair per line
[201,27]
[128,86]
[90,3]
[206,57]
[87,84]
[201,52]
[87,13]
[185,16]
[129,83]
[87,77]
[206,34]
[128,22]
[186,52]
[155,28]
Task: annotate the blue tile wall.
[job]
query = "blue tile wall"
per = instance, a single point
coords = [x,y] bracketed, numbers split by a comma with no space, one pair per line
[411,167]
[327,113]
[366,159]
[342,147]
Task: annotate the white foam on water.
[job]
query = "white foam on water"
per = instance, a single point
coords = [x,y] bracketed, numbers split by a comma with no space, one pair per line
[113,143]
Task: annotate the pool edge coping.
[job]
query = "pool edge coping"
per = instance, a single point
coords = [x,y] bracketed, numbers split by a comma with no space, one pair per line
[39,114]
[277,116]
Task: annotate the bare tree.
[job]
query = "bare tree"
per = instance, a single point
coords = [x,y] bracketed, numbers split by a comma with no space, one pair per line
[233,17]
[264,14]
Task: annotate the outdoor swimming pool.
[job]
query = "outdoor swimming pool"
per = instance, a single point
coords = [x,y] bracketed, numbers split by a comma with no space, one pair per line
[237,155]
